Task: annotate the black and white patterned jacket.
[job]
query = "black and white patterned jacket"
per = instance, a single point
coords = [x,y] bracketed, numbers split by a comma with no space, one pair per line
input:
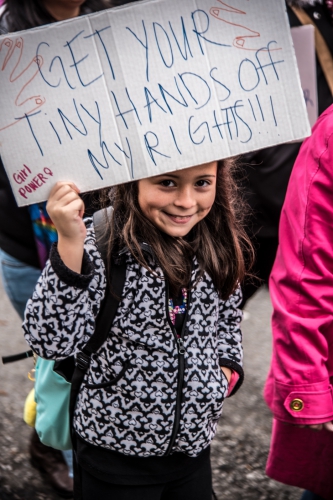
[151,397]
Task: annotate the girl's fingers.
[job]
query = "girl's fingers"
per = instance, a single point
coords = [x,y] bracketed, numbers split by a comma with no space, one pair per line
[67,198]
[62,187]
[69,211]
[66,209]
[62,195]
[72,205]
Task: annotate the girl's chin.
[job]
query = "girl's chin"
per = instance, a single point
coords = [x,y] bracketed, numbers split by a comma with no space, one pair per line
[176,227]
[176,232]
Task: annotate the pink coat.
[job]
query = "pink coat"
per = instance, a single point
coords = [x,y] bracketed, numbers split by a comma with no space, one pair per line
[298,389]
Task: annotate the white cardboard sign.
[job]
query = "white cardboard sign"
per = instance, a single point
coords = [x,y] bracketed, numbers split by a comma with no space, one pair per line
[150,87]
[304,44]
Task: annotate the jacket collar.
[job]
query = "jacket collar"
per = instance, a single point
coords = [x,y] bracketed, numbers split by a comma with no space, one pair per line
[144,247]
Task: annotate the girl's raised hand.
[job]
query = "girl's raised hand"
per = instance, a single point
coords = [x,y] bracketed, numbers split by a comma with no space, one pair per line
[66,210]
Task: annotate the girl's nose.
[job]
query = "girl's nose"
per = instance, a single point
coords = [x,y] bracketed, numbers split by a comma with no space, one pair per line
[184,198]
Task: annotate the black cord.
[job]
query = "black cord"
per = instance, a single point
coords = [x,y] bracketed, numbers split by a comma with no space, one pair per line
[17,357]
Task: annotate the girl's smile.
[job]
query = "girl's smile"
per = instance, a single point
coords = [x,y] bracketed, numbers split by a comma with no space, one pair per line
[175,202]
[179,219]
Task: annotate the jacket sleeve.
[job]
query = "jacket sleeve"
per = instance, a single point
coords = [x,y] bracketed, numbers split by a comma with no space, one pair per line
[230,336]
[60,316]
[299,387]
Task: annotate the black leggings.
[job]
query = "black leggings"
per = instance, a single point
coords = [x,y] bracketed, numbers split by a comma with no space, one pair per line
[195,486]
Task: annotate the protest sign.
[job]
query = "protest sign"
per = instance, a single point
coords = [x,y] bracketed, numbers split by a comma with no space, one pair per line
[304,44]
[145,88]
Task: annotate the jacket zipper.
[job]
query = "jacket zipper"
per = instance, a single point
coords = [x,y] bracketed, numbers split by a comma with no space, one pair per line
[181,367]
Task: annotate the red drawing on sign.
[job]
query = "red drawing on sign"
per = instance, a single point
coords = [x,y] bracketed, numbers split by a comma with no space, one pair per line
[20,78]
[244,40]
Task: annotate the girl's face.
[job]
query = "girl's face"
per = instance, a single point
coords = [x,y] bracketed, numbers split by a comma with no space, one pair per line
[177,201]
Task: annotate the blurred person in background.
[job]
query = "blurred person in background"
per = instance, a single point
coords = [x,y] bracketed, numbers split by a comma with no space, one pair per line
[298,456]
[268,170]
[27,233]
[298,389]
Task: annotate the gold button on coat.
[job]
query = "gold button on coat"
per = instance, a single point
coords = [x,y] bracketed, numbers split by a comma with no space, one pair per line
[297,405]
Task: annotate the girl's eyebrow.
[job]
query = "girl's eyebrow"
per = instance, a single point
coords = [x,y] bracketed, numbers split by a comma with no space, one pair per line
[175,176]
[205,176]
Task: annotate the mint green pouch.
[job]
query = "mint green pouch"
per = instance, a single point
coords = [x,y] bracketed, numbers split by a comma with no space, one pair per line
[52,395]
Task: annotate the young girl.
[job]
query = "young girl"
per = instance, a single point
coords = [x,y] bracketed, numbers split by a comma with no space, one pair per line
[174,350]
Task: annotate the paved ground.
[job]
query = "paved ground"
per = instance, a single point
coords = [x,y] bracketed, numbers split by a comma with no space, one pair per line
[238,453]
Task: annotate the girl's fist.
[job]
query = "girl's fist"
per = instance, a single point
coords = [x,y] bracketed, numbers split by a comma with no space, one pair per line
[66,209]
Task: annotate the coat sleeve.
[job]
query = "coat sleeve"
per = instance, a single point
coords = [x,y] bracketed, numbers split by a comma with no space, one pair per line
[230,336]
[299,388]
[60,316]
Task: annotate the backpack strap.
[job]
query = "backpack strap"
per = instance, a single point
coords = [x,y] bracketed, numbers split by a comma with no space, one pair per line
[17,357]
[108,307]
[104,322]
[110,303]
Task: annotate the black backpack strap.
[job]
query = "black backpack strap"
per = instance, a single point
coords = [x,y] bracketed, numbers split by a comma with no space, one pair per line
[17,357]
[108,307]
[104,322]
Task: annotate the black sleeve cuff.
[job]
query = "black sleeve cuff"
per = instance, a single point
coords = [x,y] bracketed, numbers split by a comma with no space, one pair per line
[71,278]
[237,368]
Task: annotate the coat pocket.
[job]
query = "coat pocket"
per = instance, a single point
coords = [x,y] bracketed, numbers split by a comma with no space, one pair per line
[219,393]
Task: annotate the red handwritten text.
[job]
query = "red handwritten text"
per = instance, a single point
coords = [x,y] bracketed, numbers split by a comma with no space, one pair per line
[35,183]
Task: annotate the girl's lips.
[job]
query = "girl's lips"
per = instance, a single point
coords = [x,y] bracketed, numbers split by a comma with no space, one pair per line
[179,219]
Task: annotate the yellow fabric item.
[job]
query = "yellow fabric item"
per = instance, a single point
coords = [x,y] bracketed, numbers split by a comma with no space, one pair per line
[29,412]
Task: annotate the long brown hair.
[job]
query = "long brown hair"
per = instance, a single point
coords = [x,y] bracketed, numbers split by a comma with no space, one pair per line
[218,241]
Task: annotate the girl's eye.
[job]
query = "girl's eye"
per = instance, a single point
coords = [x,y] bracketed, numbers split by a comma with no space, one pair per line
[202,183]
[167,183]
